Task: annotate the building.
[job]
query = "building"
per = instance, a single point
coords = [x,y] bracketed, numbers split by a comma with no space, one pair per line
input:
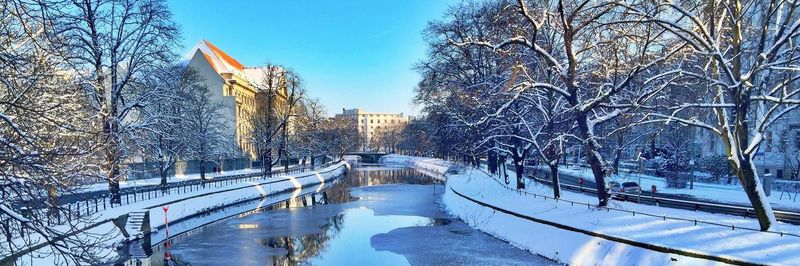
[233,84]
[370,124]
[778,153]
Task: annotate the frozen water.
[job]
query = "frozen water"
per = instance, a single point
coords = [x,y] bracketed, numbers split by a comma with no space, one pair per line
[372,218]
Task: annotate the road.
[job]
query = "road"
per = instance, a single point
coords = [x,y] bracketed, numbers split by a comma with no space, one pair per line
[677,201]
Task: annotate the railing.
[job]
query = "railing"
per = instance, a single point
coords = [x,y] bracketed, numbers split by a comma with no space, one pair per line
[699,206]
[748,212]
[87,203]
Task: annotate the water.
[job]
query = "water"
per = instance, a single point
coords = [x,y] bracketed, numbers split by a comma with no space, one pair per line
[372,216]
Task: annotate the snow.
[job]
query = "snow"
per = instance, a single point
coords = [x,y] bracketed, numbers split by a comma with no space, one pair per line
[249,191]
[577,248]
[183,205]
[12,213]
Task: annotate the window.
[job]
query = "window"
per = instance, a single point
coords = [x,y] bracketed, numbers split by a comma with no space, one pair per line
[371,121]
[797,141]
[779,174]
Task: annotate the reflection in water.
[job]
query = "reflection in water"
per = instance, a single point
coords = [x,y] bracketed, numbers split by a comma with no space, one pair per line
[302,248]
[353,222]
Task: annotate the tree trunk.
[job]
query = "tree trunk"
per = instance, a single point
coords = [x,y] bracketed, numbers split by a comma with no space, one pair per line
[593,158]
[615,164]
[492,162]
[52,202]
[519,168]
[112,162]
[755,193]
[501,162]
[113,186]
[163,174]
[556,182]
[203,171]
[266,162]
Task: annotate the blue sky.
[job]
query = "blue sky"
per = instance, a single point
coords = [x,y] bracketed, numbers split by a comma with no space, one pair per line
[349,53]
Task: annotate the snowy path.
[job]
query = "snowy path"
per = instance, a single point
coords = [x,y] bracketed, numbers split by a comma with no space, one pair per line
[578,248]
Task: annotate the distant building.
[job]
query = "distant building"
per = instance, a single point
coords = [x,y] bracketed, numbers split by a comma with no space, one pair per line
[370,123]
[234,85]
[776,155]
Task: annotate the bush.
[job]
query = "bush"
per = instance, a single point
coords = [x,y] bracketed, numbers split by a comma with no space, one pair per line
[716,165]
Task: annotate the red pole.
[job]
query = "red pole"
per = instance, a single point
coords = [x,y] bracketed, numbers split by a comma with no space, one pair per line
[166,224]
[167,256]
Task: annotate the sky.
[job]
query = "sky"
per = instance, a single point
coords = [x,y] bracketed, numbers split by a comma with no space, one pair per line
[350,54]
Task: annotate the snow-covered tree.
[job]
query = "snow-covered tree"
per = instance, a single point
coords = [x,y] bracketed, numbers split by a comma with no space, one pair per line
[110,44]
[741,54]
[600,54]
[203,123]
[164,141]
[279,93]
[44,149]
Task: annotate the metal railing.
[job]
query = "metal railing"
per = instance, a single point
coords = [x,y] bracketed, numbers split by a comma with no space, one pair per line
[634,213]
[747,212]
[85,204]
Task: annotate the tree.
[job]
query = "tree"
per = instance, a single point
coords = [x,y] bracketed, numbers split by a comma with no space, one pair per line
[279,93]
[203,123]
[111,44]
[164,140]
[742,56]
[44,149]
[598,52]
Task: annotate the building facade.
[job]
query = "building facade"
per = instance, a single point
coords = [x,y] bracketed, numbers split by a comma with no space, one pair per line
[234,85]
[779,152]
[371,124]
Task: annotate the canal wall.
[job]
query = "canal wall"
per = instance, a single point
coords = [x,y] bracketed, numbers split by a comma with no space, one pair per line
[194,207]
[435,168]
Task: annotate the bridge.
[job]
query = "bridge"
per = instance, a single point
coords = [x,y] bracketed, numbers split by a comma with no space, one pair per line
[367,157]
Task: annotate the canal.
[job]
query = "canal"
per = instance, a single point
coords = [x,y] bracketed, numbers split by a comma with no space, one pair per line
[371,216]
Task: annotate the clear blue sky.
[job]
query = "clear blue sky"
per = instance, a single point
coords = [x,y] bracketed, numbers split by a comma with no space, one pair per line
[349,53]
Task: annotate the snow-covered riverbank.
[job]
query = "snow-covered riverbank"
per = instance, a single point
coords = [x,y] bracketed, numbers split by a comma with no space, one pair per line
[101,230]
[581,234]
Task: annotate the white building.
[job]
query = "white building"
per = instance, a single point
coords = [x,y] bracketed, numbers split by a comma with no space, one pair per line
[778,152]
[369,123]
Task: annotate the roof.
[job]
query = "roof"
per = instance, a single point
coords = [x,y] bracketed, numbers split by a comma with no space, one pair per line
[219,60]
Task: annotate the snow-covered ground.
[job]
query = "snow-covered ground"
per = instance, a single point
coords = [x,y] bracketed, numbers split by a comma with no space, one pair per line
[714,192]
[576,248]
[181,205]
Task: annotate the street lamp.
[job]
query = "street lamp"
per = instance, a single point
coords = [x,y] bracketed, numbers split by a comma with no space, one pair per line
[691,173]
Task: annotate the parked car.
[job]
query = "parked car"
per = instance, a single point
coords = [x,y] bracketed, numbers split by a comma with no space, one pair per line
[614,187]
[631,187]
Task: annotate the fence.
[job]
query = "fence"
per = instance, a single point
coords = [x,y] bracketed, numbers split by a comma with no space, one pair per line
[87,203]
[151,169]
[747,212]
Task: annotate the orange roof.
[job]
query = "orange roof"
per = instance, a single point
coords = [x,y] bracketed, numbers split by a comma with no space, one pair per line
[222,55]
[210,62]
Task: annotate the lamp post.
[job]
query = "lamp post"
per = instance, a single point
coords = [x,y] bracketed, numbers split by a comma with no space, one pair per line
[691,174]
